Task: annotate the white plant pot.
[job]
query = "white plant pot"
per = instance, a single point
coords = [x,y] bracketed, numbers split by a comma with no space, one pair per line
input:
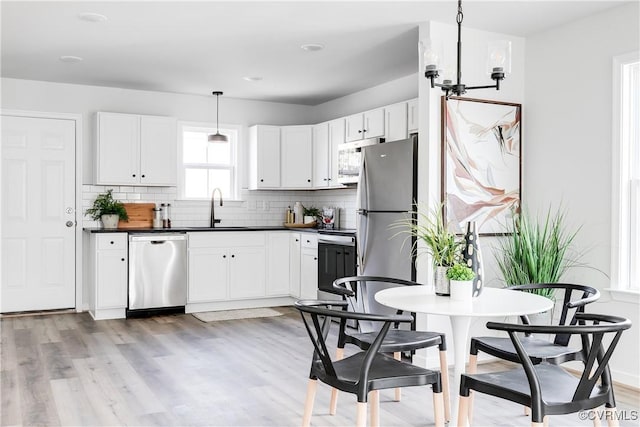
[308,219]
[110,222]
[461,290]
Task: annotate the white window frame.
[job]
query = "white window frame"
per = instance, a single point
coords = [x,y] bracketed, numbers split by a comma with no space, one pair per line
[625,233]
[210,127]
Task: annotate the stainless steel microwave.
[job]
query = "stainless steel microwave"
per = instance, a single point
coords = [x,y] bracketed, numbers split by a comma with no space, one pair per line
[350,159]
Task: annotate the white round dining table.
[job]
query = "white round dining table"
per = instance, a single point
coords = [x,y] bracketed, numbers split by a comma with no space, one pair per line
[492,302]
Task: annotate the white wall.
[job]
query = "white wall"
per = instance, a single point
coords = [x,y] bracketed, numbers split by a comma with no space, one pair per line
[568,148]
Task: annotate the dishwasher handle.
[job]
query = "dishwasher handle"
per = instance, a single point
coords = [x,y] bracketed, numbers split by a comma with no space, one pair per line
[156,238]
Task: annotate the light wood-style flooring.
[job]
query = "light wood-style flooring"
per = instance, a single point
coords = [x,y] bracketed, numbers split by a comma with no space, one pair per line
[66,369]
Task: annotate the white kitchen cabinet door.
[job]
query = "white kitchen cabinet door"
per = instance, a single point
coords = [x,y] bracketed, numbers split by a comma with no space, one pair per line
[158,150]
[264,157]
[412,116]
[321,165]
[295,259]
[353,127]
[309,274]
[278,263]
[373,123]
[135,150]
[110,270]
[336,137]
[247,272]
[117,149]
[208,275]
[395,122]
[296,156]
[369,124]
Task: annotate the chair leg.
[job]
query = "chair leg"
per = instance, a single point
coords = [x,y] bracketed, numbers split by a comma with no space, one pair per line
[611,417]
[398,390]
[472,369]
[463,411]
[534,424]
[438,407]
[374,408]
[444,376]
[361,416]
[333,403]
[527,411]
[596,419]
[545,421]
[308,404]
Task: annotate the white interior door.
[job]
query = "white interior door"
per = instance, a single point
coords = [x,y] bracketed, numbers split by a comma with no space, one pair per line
[38,214]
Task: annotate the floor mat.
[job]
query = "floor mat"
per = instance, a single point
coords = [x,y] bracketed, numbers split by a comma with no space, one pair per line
[247,313]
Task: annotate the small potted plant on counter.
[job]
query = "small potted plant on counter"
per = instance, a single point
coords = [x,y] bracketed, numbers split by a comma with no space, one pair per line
[461,281]
[311,214]
[108,210]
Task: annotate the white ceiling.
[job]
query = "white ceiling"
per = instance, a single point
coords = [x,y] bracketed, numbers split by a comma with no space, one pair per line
[196,47]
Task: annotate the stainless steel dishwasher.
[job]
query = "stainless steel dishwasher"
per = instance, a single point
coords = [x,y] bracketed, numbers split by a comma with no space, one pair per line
[157,272]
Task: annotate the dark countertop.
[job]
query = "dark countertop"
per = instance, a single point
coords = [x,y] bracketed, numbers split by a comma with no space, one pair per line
[344,232]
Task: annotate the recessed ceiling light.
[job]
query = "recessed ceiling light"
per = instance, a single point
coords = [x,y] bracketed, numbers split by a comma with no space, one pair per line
[70,58]
[92,17]
[312,47]
[252,79]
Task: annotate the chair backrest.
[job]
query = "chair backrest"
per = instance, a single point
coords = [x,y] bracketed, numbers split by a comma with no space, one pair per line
[317,316]
[574,299]
[359,292]
[597,352]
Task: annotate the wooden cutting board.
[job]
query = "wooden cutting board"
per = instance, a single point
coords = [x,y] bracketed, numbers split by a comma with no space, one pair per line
[140,215]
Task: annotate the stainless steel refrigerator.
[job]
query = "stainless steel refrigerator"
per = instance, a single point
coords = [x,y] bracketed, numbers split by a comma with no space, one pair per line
[387,191]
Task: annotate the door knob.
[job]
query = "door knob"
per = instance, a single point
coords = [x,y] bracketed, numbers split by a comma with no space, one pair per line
[69,224]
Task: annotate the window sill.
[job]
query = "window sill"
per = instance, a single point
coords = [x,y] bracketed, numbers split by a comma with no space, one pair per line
[624,295]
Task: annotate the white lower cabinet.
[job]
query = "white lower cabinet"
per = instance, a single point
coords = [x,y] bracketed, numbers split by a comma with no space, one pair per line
[226,265]
[294,264]
[309,267]
[279,263]
[109,275]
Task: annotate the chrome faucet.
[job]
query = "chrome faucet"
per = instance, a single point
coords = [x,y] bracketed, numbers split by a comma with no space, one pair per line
[214,221]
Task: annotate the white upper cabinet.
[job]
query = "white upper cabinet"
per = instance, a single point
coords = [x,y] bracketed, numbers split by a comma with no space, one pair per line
[135,150]
[336,137]
[412,116]
[321,155]
[264,157]
[296,156]
[369,124]
[395,124]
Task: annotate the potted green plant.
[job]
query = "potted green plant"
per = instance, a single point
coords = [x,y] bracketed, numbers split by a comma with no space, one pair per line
[428,226]
[311,214]
[537,251]
[461,282]
[108,210]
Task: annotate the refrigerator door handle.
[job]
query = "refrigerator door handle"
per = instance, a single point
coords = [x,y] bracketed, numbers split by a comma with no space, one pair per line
[361,217]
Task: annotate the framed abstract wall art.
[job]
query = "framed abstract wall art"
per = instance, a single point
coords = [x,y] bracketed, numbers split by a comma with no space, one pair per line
[481,163]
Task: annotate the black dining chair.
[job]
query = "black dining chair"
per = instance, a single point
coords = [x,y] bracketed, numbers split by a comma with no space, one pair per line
[547,388]
[363,372]
[359,292]
[574,298]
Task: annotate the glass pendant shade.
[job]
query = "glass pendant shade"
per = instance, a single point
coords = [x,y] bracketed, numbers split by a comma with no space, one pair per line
[431,54]
[499,57]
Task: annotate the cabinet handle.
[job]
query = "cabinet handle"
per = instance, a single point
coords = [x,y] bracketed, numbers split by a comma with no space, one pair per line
[143,176]
[364,130]
[308,180]
[297,240]
[359,131]
[224,256]
[262,180]
[233,256]
[134,175]
[328,179]
[338,253]
[121,259]
[111,242]
[324,179]
[308,241]
[315,258]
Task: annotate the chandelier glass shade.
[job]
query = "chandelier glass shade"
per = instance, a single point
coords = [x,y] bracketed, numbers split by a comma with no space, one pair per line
[498,63]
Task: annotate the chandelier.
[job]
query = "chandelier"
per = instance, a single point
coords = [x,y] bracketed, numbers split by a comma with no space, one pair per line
[498,63]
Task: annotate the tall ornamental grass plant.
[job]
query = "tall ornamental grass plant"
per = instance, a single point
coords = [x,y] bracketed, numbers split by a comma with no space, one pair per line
[537,252]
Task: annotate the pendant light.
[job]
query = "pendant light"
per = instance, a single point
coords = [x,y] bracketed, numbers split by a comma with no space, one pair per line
[498,63]
[217,137]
